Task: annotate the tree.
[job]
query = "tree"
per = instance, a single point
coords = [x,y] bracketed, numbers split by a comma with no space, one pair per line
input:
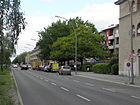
[89,45]
[11,24]
[20,58]
[58,30]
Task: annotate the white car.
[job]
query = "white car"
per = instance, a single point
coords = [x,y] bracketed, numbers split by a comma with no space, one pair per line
[65,70]
[15,66]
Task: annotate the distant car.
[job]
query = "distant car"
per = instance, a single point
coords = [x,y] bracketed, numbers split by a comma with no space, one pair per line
[41,68]
[15,66]
[29,67]
[65,70]
[24,67]
[48,68]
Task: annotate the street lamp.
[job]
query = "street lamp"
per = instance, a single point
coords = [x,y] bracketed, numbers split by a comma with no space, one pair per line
[75,43]
[130,3]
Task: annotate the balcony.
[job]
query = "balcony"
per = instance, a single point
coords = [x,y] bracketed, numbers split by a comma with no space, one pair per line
[111,47]
[117,35]
[111,37]
[117,46]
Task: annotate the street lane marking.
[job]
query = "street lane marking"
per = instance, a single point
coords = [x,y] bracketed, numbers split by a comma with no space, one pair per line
[46,80]
[37,76]
[136,97]
[64,89]
[41,78]
[53,83]
[107,89]
[89,84]
[76,81]
[83,97]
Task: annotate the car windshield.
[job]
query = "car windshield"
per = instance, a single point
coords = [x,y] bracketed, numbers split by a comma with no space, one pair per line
[66,67]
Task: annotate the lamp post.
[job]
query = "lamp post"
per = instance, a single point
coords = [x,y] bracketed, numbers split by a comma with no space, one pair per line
[75,44]
[130,3]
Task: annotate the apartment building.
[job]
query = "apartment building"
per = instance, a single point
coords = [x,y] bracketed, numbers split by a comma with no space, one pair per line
[111,36]
[129,20]
[33,56]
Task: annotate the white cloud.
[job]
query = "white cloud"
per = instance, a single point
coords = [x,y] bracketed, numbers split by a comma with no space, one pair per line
[101,15]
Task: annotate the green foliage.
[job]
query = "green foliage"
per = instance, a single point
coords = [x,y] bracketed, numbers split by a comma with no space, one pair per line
[88,45]
[20,58]
[5,85]
[113,61]
[12,23]
[101,68]
[87,67]
[50,38]
[114,69]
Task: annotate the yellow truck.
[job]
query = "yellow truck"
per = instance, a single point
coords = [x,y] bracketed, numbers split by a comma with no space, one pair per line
[35,65]
[55,67]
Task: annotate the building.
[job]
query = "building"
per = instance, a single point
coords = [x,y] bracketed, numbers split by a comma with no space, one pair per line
[33,56]
[128,28]
[111,36]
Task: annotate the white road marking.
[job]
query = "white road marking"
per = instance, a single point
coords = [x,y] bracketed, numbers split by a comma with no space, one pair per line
[136,97]
[46,80]
[76,81]
[107,89]
[89,84]
[64,89]
[53,83]
[41,78]
[83,97]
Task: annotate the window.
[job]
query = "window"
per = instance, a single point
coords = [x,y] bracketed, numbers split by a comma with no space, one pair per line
[133,6]
[138,4]
[133,31]
[138,30]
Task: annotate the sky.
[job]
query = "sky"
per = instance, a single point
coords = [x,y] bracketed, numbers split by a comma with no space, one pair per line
[41,13]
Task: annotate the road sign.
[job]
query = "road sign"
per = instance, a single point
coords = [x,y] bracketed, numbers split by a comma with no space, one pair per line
[128,64]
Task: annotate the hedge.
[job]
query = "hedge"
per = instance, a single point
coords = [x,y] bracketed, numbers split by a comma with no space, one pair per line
[102,68]
[114,69]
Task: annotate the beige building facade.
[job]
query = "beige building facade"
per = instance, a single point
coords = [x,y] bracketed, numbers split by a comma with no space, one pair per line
[125,35]
[33,56]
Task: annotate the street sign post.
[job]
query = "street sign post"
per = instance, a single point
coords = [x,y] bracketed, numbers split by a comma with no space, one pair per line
[128,67]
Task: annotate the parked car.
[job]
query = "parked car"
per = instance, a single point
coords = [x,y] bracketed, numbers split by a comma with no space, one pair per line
[15,66]
[65,70]
[41,68]
[24,67]
[48,68]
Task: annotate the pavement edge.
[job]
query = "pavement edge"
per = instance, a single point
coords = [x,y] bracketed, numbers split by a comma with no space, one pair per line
[17,89]
[109,81]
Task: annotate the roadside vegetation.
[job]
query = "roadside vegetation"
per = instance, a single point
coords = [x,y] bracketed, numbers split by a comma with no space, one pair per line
[6,84]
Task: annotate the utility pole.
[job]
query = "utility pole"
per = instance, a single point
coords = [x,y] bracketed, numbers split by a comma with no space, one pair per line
[130,3]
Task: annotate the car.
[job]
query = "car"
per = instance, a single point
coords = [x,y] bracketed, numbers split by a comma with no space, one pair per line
[24,67]
[15,66]
[65,70]
[48,68]
[29,67]
[41,68]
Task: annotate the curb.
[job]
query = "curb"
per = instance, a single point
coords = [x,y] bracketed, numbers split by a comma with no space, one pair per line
[109,81]
[17,89]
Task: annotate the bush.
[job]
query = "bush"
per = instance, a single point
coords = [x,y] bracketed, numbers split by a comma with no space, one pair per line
[87,67]
[113,61]
[114,69]
[102,68]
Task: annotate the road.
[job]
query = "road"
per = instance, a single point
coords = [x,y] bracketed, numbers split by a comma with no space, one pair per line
[42,88]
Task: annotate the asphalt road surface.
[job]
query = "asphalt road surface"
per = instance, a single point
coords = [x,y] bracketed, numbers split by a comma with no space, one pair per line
[42,88]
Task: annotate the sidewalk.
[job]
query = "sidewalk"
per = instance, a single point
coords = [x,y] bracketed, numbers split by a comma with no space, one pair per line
[109,78]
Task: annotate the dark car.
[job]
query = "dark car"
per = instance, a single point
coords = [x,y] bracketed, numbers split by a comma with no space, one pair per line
[24,67]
